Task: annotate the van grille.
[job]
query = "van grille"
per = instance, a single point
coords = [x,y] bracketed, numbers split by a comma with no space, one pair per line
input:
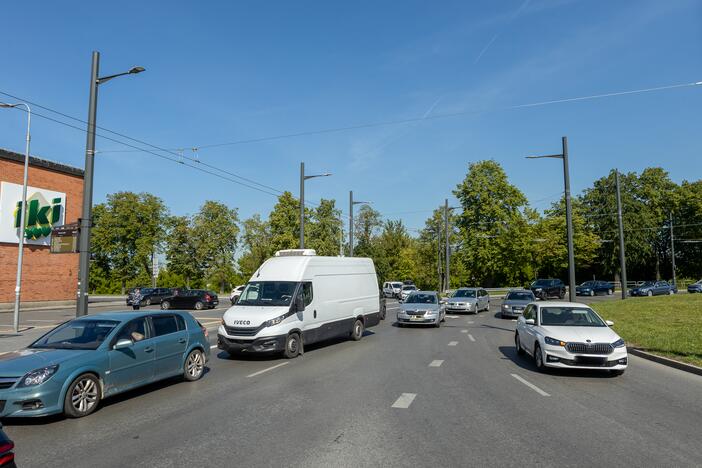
[239,331]
[590,348]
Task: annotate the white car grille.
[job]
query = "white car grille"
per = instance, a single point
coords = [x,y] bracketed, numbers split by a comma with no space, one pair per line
[589,348]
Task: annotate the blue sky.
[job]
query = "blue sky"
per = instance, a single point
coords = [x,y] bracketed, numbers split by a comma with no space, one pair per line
[226,71]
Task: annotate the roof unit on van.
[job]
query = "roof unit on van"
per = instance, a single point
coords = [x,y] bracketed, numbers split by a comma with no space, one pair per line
[296,253]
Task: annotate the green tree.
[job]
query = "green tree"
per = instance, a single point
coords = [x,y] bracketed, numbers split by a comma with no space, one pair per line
[257,242]
[182,253]
[215,229]
[129,228]
[324,229]
[284,223]
[366,225]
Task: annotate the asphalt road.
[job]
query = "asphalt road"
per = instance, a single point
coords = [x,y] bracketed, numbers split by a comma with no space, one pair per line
[453,396]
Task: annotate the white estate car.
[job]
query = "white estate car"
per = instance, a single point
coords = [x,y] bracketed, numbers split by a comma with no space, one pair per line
[236,293]
[569,335]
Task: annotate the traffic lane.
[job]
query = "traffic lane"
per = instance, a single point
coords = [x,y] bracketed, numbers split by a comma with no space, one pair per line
[651,409]
[188,408]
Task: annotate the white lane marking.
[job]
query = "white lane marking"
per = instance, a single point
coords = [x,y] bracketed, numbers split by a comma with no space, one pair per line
[213,346]
[404,401]
[452,316]
[465,330]
[530,385]
[453,343]
[436,363]
[470,337]
[470,322]
[267,369]
[42,320]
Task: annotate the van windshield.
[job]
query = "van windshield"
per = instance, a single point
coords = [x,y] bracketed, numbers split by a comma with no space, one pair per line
[268,293]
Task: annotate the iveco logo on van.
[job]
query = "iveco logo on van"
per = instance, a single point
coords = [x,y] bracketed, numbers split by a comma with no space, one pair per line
[241,322]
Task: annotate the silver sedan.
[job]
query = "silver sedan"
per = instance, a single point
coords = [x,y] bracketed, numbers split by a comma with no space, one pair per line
[421,308]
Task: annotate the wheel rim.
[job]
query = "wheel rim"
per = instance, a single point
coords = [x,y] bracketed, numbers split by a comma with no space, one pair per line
[198,305]
[358,329]
[84,395]
[164,305]
[539,358]
[516,343]
[292,345]
[592,293]
[195,364]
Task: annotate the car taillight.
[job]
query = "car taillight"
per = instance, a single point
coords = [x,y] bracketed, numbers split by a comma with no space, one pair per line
[7,446]
[204,330]
[207,297]
[5,459]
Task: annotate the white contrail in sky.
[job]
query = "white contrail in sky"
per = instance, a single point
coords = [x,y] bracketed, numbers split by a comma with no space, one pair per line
[494,38]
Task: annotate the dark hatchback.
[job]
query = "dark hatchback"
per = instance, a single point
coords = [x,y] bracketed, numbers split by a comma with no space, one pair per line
[7,456]
[197,299]
[592,288]
[545,288]
[150,295]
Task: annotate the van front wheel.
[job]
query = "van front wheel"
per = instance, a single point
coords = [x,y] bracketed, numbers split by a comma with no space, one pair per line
[292,346]
[357,331]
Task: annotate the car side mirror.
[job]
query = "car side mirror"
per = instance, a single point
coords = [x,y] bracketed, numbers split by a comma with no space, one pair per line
[123,343]
[609,323]
[299,303]
[529,321]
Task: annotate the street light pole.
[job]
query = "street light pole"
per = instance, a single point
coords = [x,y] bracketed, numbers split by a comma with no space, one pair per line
[569,215]
[23,211]
[447,286]
[85,220]
[622,253]
[351,205]
[672,248]
[303,178]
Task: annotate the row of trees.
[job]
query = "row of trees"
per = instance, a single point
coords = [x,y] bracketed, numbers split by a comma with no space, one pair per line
[496,237]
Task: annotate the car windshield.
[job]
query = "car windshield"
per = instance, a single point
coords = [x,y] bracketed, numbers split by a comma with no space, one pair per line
[267,293]
[420,298]
[588,284]
[541,283]
[396,285]
[570,317]
[464,293]
[77,334]
[647,284]
[520,296]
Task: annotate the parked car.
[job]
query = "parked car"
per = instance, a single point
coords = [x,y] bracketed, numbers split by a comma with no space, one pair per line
[383,306]
[7,456]
[569,335]
[653,288]
[695,287]
[191,299]
[150,295]
[515,302]
[592,288]
[406,290]
[421,308]
[297,298]
[73,367]
[547,288]
[468,300]
[236,293]
[392,289]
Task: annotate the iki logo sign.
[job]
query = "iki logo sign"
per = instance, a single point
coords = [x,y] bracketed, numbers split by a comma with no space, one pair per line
[45,209]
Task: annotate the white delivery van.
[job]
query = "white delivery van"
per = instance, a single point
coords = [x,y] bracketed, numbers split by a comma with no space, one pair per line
[296,298]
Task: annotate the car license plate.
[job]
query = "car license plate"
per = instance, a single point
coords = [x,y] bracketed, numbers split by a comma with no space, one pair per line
[416,317]
[518,308]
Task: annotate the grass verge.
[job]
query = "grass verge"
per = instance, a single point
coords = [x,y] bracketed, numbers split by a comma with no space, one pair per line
[669,326]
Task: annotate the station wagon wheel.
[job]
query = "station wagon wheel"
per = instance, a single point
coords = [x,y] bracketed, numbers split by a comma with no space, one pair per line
[82,397]
[165,305]
[199,305]
[610,292]
[592,292]
[649,293]
[194,365]
[539,359]
[518,345]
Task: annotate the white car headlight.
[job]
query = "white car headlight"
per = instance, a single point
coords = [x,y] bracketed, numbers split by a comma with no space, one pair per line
[505,306]
[37,377]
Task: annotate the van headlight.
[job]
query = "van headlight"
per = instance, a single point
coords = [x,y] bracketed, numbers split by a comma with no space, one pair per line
[37,377]
[276,321]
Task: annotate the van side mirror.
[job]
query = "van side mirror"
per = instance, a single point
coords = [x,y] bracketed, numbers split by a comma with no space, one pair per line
[529,321]
[299,303]
[123,343]
[609,323]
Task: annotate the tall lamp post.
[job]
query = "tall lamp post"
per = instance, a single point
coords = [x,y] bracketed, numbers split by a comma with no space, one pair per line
[23,211]
[351,205]
[569,215]
[447,209]
[86,220]
[303,178]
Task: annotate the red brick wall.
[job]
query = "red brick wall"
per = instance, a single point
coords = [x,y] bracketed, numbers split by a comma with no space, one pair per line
[45,276]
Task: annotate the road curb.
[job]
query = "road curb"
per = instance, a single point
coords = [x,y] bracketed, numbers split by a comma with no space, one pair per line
[60,306]
[666,361]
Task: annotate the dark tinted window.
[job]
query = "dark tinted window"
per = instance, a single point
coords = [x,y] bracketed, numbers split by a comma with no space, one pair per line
[164,324]
[307,294]
[181,322]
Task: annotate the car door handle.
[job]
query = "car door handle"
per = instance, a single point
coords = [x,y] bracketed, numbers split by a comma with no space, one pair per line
[315,314]
[148,349]
[182,340]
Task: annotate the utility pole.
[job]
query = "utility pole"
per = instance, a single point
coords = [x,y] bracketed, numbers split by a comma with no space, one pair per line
[302,205]
[622,253]
[86,219]
[438,256]
[447,280]
[569,215]
[350,223]
[672,247]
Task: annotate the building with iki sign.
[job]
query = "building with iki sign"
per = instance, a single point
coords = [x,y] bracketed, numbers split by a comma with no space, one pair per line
[54,198]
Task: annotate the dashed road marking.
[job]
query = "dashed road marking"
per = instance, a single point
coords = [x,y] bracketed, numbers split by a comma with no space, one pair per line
[404,401]
[465,330]
[470,337]
[470,322]
[452,316]
[530,385]
[213,346]
[267,369]
[453,343]
[436,363]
